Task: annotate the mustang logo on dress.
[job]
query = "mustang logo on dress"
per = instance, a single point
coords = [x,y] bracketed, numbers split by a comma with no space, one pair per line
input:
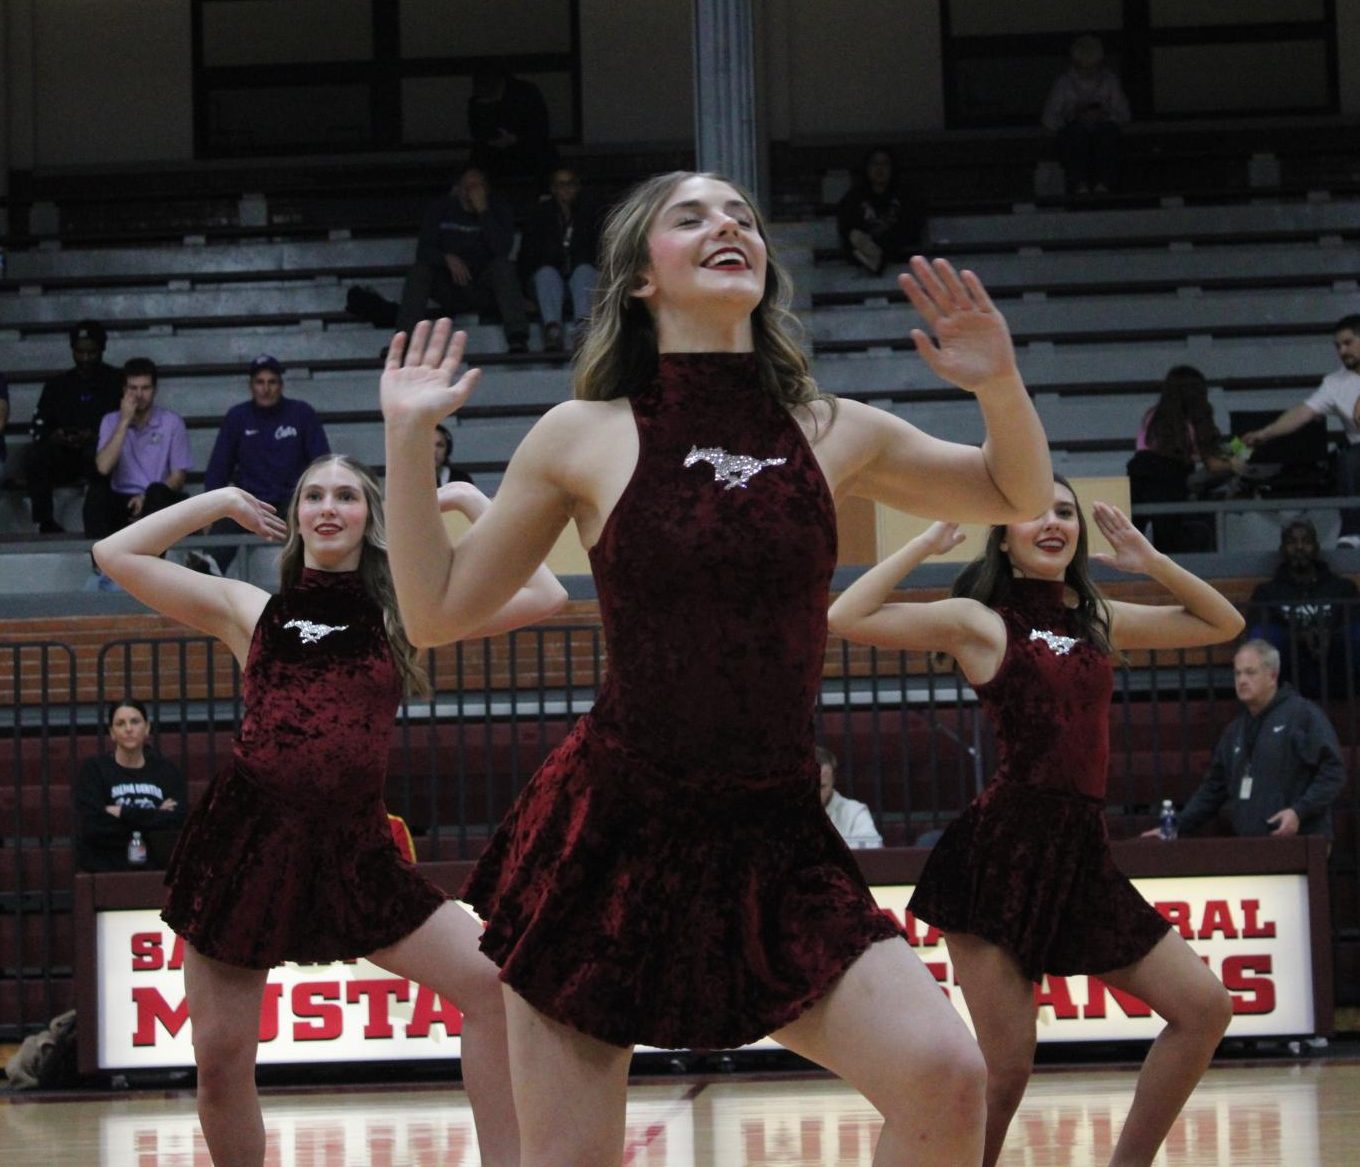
[730,469]
[311,633]
[1062,645]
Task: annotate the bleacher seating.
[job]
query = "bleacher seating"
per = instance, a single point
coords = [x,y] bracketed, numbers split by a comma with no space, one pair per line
[1101,302]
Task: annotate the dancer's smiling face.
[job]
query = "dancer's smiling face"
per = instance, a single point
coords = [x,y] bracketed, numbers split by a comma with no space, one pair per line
[704,249]
[332,517]
[1043,547]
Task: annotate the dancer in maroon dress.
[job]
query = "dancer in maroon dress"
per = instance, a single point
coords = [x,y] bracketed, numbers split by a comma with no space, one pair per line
[288,857]
[669,875]
[1023,883]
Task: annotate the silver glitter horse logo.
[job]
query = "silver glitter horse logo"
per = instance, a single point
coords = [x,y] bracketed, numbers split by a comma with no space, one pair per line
[310,633]
[730,469]
[1061,645]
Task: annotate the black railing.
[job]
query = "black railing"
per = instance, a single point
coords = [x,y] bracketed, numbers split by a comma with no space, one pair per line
[912,742]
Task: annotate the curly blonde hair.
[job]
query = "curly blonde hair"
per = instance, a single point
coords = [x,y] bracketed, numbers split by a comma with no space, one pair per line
[619,354]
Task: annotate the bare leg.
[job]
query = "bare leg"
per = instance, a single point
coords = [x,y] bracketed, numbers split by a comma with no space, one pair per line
[224,1008]
[888,1030]
[1001,1001]
[570,1090]
[443,954]
[1197,1008]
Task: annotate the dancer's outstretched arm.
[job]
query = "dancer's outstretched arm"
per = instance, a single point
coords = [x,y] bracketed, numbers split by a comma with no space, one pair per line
[1011,476]
[1202,616]
[447,593]
[968,631]
[536,600]
[225,608]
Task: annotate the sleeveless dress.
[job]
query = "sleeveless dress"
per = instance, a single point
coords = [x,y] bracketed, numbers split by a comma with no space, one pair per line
[1027,866]
[669,876]
[289,855]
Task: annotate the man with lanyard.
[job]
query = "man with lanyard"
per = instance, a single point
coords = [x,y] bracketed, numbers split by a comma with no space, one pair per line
[1278,766]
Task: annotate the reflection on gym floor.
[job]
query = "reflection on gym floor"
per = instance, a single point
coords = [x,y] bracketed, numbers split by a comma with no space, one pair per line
[1302,1115]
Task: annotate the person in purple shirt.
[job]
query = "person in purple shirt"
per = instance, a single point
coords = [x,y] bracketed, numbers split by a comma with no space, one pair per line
[263,447]
[142,457]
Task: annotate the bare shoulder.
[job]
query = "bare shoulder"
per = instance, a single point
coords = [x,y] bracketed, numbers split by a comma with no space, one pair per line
[847,434]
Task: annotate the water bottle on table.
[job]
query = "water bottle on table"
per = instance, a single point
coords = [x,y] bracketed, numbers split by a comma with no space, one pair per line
[1167,820]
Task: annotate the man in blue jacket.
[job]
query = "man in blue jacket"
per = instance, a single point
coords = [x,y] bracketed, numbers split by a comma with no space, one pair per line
[263,447]
[1278,766]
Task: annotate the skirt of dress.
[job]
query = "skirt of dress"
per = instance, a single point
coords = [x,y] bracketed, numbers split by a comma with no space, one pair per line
[255,881]
[1030,870]
[697,911]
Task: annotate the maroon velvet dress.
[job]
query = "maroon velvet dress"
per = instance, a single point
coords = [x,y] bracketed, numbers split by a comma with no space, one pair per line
[289,855]
[669,877]
[1027,866]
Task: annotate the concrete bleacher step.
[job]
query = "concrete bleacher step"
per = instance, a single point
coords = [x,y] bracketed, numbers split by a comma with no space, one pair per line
[1074,319]
[126,308]
[1275,217]
[202,261]
[1070,272]
[879,372]
[295,347]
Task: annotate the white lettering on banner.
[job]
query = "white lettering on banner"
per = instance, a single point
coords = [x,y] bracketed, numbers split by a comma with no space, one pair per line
[1252,931]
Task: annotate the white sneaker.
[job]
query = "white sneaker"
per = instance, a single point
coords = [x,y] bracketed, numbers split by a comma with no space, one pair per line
[198,561]
[1351,541]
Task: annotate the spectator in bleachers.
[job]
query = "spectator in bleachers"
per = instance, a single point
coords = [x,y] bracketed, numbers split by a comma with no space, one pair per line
[1178,451]
[65,427]
[1309,614]
[131,789]
[558,252]
[1278,767]
[1338,395]
[1085,109]
[142,457]
[4,421]
[508,121]
[444,469]
[852,819]
[463,260]
[263,447]
[876,219]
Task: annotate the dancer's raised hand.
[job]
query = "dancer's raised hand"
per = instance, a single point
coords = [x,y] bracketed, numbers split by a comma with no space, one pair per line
[1132,551]
[418,380]
[971,345]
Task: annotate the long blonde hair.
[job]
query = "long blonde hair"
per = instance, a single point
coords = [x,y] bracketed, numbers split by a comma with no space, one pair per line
[374,572]
[619,354]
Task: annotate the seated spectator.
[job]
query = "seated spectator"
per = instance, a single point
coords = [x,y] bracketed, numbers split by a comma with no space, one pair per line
[1085,109]
[508,122]
[852,819]
[65,427]
[1177,438]
[1309,614]
[444,469]
[557,254]
[1338,395]
[263,447]
[1277,767]
[142,457]
[132,789]
[877,221]
[463,260]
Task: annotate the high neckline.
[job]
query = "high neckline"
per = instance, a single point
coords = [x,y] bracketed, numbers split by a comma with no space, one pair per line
[317,577]
[716,374]
[1039,594]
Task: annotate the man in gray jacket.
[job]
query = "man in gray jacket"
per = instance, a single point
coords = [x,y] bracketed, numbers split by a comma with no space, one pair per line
[1278,766]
